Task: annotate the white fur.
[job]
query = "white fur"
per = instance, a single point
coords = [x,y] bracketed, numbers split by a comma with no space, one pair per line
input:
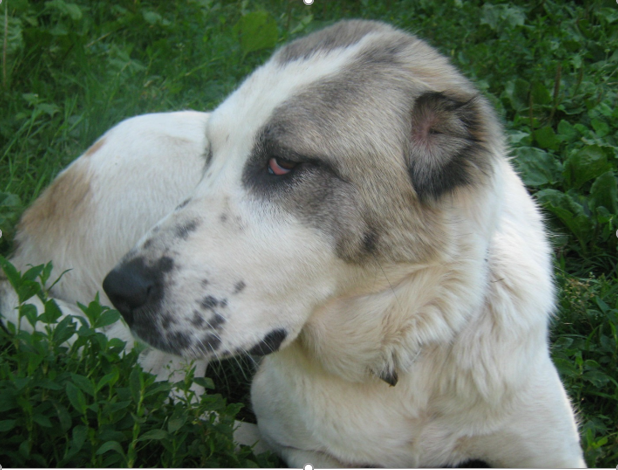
[138,156]
[491,391]
[465,329]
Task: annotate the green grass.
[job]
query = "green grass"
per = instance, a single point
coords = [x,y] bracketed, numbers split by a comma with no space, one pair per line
[72,397]
[550,67]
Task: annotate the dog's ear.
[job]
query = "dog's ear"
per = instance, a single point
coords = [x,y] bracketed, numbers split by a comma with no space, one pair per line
[447,148]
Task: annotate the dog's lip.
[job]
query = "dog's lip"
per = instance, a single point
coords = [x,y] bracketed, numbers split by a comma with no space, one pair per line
[160,345]
[270,344]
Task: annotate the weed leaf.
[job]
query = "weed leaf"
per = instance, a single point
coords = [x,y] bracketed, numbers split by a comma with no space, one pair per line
[256,31]
[537,167]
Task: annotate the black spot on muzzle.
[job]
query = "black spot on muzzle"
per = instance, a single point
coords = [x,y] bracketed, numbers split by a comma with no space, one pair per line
[184,230]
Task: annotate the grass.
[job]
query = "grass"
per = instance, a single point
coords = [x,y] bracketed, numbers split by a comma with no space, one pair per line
[71,70]
[72,397]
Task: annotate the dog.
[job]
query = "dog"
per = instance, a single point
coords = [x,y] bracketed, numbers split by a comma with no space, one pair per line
[349,214]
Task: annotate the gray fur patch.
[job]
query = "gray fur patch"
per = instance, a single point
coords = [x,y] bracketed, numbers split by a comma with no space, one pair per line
[351,137]
[340,35]
[447,150]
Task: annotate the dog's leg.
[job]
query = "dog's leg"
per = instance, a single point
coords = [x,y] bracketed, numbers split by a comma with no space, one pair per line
[248,434]
[9,304]
[102,204]
[541,431]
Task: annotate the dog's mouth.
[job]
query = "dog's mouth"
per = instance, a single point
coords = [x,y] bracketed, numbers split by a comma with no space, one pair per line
[137,291]
[270,344]
[205,345]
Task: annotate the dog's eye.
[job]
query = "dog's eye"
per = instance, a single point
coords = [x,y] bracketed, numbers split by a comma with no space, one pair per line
[280,166]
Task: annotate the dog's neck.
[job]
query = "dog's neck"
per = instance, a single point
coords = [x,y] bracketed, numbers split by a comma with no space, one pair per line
[400,310]
[381,333]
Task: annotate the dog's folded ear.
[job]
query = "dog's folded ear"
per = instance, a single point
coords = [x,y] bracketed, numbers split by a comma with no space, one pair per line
[447,148]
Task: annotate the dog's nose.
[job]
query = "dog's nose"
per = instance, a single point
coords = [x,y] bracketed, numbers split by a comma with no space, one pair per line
[128,287]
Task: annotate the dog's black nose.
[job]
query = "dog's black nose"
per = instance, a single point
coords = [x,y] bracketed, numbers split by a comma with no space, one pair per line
[129,286]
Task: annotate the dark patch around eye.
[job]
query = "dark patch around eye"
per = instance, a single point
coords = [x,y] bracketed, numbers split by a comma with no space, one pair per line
[256,174]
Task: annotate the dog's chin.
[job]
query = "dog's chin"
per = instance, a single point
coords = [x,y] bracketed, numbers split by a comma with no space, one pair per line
[206,345]
[270,343]
[166,343]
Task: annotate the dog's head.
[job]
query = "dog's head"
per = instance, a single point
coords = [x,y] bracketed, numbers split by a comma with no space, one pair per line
[344,155]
